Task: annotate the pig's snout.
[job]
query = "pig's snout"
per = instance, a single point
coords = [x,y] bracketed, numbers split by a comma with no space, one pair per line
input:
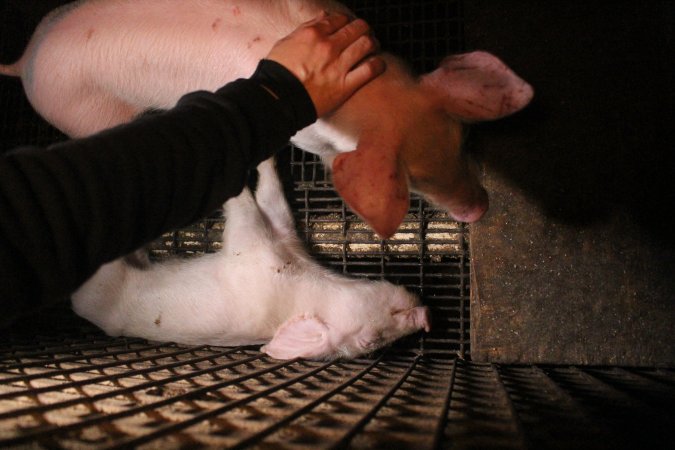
[422,318]
[472,211]
[467,206]
[417,318]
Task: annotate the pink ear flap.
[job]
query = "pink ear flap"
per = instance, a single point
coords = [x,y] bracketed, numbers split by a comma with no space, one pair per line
[300,337]
[478,86]
[373,182]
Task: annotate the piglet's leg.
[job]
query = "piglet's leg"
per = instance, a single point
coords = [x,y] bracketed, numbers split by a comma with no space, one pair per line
[270,197]
[245,227]
[372,180]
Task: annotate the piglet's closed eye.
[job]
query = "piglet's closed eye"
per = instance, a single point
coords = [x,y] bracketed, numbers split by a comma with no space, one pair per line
[300,337]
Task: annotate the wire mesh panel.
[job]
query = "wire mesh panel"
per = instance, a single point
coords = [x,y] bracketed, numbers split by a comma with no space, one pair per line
[86,390]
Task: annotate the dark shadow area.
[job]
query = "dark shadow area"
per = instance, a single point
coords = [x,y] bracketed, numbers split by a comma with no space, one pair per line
[597,139]
[19,21]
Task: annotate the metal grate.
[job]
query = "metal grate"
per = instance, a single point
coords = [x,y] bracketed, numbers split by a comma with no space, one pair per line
[84,389]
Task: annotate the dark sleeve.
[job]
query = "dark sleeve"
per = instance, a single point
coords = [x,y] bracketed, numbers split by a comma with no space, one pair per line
[67,209]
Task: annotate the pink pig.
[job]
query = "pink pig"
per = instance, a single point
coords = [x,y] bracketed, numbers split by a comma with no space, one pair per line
[94,64]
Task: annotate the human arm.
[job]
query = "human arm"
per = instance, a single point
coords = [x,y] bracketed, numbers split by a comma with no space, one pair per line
[69,209]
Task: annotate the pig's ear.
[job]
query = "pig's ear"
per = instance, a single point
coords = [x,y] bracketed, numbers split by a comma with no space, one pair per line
[300,337]
[478,86]
[373,182]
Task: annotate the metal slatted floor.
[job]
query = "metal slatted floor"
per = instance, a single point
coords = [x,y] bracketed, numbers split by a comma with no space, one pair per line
[82,389]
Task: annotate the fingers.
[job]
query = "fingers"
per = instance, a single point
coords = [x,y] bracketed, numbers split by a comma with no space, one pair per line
[329,55]
[358,50]
[330,22]
[363,73]
[342,29]
[359,71]
[350,33]
[342,32]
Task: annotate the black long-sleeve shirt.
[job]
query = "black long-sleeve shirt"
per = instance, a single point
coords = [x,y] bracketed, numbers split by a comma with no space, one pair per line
[67,209]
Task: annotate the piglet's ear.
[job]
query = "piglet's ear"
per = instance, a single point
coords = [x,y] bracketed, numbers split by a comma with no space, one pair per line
[373,182]
[300,337]
[478,86]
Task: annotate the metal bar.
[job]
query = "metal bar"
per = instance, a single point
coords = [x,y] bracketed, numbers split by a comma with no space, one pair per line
[80,358]
[305,409]
[346,439]
[462,301]
[71,384]
[99,366]
[618,394]
[652,377]
[443,417]
[587,399]
[66,403]
[562,395]
[108,417]
[520,431]
[48,351]
[174,427]
[655,397]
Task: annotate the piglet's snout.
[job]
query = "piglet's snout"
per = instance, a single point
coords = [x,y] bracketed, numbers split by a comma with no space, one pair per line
[422,318]
[417,318]
[473,210]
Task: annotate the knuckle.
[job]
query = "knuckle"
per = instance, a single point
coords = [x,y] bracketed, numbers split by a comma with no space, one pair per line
[367,42]
[324,48]
[338,19]
[311,33]
[357,27]
[352,30]
[361,47]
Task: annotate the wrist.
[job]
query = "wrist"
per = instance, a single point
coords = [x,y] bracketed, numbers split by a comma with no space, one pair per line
[286,89]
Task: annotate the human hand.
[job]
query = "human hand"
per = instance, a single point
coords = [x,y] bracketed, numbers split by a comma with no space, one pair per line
[327,55]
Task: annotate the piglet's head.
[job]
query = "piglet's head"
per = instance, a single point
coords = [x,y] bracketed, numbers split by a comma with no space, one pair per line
[353,322]
[422,151]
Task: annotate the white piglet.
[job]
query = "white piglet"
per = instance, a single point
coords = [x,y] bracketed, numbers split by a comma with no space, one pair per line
[261,287]
[97,63]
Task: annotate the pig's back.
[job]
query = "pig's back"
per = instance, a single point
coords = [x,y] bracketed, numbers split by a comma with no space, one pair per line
[144,52]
